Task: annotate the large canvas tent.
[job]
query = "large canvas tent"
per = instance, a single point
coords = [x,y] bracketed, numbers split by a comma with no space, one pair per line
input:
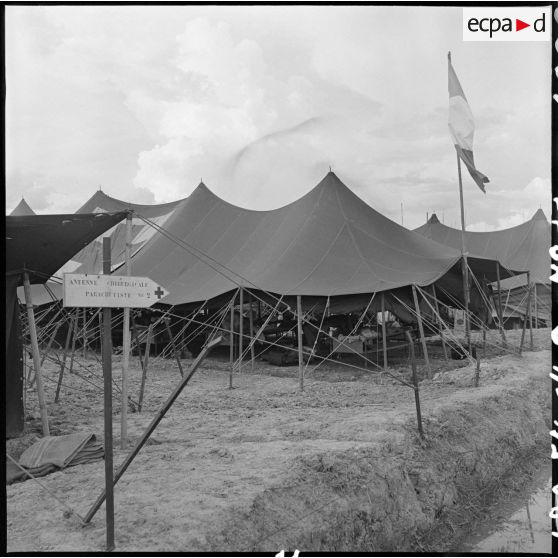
[524,246]
[328,243]
[38,245]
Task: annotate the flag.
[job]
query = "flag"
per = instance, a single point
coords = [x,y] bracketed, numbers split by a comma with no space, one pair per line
[462,126]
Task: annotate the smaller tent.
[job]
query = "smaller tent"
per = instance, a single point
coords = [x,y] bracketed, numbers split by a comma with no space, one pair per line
[524,246]
[38,245]
[22,208]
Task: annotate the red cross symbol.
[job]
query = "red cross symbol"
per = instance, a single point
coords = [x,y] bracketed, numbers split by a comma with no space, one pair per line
[159,292]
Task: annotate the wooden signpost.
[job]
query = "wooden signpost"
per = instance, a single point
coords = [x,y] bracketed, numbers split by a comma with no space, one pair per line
[109,291]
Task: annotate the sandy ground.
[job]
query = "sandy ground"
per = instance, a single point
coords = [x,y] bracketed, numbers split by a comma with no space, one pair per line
[217,448]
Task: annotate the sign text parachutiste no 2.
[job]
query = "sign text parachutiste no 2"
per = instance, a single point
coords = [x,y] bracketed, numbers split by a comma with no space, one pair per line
[111,291]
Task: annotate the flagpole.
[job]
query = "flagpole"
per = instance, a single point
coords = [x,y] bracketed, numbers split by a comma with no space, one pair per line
[464,265]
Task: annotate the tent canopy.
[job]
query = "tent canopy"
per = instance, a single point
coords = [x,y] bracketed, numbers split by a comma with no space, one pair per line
[524,246]
[41,244]
[327,243]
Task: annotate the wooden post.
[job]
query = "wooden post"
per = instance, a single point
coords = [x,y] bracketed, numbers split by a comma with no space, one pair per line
[63,365]
[144,368]
[231,347]
[241,330]
[126,340]
[439,318]
[531,345]
[536,306]
[251,321]
[107,376]
[384,336]
[35,353]
[525,322]
[477,371]
[465,267]
[499,308]
[299,336]
[415,383]
[149,430]
[421,330]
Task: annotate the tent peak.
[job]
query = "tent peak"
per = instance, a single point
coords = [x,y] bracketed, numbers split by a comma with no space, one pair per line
[433,219]
[22,208]
[539,215]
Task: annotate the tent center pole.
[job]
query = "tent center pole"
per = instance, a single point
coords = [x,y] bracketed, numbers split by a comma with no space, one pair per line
[530,313]
[251,320]
[384,335]
[241,329]
[499,306]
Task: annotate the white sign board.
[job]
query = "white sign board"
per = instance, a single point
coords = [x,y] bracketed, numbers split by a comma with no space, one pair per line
[111,291]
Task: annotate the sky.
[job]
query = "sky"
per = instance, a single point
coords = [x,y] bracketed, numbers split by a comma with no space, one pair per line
[260,102]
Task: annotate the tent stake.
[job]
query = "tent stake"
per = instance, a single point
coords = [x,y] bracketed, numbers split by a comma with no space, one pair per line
[415,383]
[35,353]
[299,335]
[421,330]
[107,377]
[477,371]
[64,356]
[149,430]
[384,336]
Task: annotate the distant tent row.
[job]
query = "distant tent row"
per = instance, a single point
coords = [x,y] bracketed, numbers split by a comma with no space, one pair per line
[524,246]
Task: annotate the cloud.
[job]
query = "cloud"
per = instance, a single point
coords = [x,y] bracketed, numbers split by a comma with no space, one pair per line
[146,100]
